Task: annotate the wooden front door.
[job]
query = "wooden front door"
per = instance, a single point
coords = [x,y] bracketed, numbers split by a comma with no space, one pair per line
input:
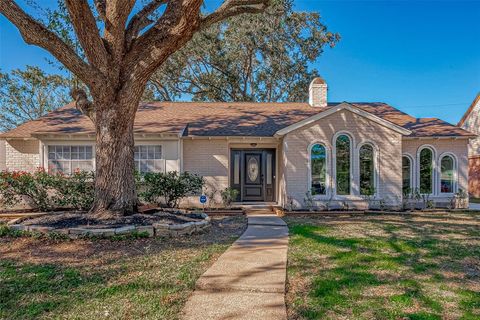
[253,174]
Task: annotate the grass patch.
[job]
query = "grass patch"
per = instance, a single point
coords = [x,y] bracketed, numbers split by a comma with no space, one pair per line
[125,278]
[415,266]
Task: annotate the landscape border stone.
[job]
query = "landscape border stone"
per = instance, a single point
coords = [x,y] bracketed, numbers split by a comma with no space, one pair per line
[153,230]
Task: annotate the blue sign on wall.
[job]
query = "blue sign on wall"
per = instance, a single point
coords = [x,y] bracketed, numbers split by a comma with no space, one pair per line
[203,198]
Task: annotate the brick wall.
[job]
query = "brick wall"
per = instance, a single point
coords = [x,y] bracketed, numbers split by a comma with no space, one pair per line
[474,176]
[362,130]
[2,155]
[208,158]
[22,155]
[472,124]
[459,147]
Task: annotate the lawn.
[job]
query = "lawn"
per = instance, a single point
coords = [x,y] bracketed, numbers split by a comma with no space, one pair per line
[123,279]
[412,266]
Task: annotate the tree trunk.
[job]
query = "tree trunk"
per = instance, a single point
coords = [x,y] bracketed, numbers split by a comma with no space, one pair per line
[115,192]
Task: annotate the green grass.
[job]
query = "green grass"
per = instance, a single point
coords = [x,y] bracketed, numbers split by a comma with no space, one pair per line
[121,279]
[384,267]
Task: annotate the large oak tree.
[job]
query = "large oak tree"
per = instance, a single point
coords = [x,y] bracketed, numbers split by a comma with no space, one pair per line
[120,52]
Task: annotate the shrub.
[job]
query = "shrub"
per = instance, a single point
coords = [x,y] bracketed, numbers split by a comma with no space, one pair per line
[33,187]
[170,187]
[228,196]
[46,191]
[75,191]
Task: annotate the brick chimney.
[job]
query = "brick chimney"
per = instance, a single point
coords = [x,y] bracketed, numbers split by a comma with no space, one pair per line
[317,93]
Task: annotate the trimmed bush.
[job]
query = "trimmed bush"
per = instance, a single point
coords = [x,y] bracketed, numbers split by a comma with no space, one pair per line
[46,191]
[170,187]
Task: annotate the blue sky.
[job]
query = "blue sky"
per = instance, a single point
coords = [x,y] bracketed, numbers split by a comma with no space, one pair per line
[421,57]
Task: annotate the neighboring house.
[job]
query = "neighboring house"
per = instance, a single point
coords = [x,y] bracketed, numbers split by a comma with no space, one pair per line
[471,122]
[270,152]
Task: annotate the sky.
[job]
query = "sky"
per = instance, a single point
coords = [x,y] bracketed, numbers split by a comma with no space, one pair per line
[422,57]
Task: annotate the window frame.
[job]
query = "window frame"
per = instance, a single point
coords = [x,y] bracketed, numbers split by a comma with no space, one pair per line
[152,143]
[455,174]
[45,145]
[434,168]
[353,193]
[328,179]
[412,171]
[375,166]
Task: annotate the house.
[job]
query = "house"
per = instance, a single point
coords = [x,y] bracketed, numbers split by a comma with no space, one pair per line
[270,152]
[471,122]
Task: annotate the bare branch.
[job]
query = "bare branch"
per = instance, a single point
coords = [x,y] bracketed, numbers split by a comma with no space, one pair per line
[87,32]
[101,6]
[37,34]
[232,8]
[141,20]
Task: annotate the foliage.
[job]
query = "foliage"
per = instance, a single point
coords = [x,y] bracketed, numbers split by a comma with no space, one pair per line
[211,194]
[46,191]
[257,57]
[29,94]
[170,187]
[290,205]
[228,196]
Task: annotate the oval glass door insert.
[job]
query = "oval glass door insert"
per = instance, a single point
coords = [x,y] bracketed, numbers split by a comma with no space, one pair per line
[252,169]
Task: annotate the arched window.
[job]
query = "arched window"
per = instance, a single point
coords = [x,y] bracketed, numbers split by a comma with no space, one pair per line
[426,171]
[447,174]
[318,165]
[406,174]
[367,170]
[342,164]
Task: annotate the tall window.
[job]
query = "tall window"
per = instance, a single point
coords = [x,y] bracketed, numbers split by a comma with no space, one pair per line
[318,160]
[343,165]
[406,175]
[367,170]
[67,159]
[447,174]
[148,159]
[426,171]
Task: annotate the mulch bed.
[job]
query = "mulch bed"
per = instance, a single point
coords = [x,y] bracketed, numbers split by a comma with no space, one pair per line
[81,219]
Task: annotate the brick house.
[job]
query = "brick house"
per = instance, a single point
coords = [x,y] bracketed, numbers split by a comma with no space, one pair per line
[471,122]
[270,152]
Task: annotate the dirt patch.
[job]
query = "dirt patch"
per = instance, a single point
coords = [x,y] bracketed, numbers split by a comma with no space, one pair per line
[96,252]
[81,219]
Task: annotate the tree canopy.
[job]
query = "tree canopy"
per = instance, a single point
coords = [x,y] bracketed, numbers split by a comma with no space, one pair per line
[29,94]
[264,57]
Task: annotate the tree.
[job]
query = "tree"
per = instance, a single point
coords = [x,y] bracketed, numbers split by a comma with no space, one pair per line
[122,49]
[28,94]
[263,57]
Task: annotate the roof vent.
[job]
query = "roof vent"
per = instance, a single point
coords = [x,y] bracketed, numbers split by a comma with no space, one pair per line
[317,93]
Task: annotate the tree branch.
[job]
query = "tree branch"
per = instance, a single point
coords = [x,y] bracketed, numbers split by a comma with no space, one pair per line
[87,33]
[231,8]
[141,20]
[101,6]
[37,34]
[82,103]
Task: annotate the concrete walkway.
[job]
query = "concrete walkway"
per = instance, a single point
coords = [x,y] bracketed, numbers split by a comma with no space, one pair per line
[248,280]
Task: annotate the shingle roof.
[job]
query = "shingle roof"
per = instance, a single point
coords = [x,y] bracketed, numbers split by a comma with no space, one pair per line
[223,119]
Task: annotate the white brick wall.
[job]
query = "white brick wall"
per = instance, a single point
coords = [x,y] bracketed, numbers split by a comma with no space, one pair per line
[472,124]
[296,146]
[22,155]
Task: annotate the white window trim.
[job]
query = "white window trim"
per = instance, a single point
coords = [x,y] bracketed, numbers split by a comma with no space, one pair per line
[153,143]
[328,182]
[455,174]
[70,144]
[376,168]
[354,195]
[434,168]
[412,171]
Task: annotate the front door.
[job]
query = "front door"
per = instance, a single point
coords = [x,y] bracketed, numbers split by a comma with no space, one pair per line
[252,174]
